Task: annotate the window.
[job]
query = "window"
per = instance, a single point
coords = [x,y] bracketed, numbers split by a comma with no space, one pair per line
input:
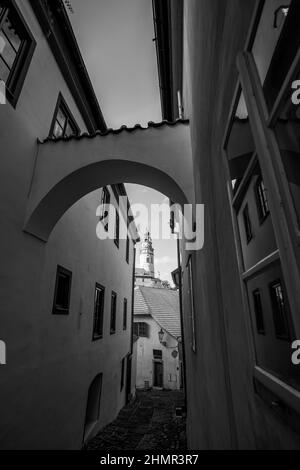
[127,249]
[113,314]
[98,312]
[125,315]
[258,310]
[279,308]
[105,201]
[17,51]
[141,329]
[192,307]
[157,354]
[261,200]
[117,229]
[247,224]
[62,293]
[63,124]
[122,373]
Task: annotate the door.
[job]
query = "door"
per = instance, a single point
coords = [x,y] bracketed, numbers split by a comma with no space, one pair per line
[158,380]
[93,406]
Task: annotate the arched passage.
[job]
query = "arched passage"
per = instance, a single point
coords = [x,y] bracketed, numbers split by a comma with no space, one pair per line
[67,170]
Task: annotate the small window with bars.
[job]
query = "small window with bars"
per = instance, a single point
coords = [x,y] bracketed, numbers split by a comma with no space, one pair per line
[98,312]
[63,124]
[16,49]
[258,310]
[261,200]
[141,329]
[280,310]
[157,354]
[247,224]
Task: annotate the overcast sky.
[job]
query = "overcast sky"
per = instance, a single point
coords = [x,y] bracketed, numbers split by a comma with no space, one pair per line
[116,41]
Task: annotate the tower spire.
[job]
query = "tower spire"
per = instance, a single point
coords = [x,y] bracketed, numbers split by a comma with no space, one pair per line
[147,254]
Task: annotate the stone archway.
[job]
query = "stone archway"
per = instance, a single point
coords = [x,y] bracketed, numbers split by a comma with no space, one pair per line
[66,170]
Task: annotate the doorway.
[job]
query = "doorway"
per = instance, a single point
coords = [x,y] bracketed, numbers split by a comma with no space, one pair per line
[158,374]
[93,407]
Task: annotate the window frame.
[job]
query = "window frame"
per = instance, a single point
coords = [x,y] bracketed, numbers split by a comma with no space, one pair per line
[274,304]
[261,200]
[24,55]
[55,309]
[127,249]
[62,104]
[122,374]
[113,313]
[97,335]
[117,229]
[125,314]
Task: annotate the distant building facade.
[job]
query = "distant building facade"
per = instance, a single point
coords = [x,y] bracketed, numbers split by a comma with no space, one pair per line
[157,329]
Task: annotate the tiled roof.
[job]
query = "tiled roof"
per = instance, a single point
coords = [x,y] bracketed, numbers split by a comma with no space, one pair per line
[86,135]
[162,305]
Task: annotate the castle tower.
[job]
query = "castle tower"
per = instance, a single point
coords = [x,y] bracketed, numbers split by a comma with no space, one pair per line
[147,255]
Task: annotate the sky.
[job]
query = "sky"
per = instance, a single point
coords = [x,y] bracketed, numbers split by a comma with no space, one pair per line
[116,41]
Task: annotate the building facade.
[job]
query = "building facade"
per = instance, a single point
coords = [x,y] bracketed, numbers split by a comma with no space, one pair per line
[241,291]
[157,329]
[65,319]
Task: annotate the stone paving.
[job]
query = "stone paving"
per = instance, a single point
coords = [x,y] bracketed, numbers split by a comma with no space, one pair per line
[148,423]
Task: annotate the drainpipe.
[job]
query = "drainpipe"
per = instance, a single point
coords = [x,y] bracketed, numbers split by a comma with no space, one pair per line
[132,297]
[181,323]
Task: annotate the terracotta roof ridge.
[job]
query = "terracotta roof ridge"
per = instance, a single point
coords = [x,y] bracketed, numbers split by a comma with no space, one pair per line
[86,135]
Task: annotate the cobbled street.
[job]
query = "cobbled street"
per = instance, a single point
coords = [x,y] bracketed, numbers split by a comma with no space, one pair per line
[149,423]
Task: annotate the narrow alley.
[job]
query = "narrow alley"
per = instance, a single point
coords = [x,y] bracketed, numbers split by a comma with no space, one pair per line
[148,423]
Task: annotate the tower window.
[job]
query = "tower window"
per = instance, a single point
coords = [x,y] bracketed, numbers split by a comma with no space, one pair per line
[279,307]
[247,224]
[261,200]
[98,312]
[62,293]
[258,310]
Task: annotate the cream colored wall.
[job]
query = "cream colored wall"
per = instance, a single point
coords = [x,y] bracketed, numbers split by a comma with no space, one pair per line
[145,348]
[51,360]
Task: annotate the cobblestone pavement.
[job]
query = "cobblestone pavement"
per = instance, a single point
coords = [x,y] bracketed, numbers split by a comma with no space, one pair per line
[149,423]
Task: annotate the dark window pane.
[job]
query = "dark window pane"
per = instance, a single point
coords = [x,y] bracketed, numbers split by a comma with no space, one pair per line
[125,315]
[258,311]
[279,311]
[62,291]
[98,312]
[157,354]
[69,130]
[113,313]
[247,224]
[261,199]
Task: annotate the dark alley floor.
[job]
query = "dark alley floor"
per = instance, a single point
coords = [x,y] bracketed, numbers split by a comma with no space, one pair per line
[149,423]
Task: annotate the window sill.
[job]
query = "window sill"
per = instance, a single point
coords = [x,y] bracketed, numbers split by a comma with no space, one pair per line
[287,394]
[60,311]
